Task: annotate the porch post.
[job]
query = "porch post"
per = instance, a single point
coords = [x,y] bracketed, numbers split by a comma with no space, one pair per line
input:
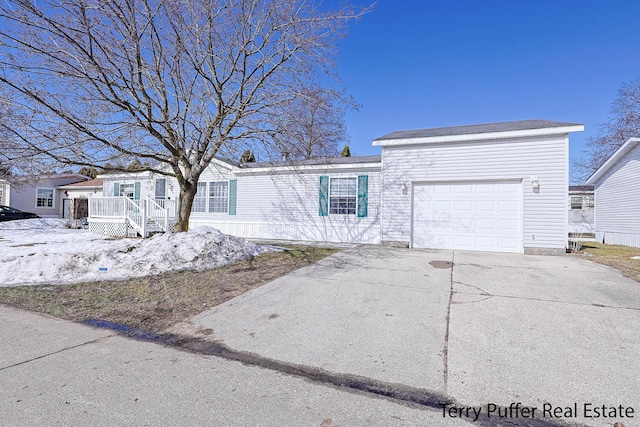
[166,219]
[144,217]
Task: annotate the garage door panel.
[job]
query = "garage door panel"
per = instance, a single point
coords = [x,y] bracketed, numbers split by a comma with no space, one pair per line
[462,189]
[442,205]
[460,206]
[486,188]
[508,225]
[486,205]
[509,188]
[468,216]
[485,224]
[509,205]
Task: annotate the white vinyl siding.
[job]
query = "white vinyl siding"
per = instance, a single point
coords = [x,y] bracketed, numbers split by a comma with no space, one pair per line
[544,210]
[617,202]
[45,198]
[284,205]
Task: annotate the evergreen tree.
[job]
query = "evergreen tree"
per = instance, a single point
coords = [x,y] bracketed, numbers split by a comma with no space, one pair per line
[345,151]
[89,171]
[247,157]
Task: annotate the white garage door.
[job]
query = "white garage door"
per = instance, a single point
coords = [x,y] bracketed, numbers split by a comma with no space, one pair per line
[480,216]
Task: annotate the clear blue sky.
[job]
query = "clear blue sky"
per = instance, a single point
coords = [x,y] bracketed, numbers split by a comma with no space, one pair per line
[416,64]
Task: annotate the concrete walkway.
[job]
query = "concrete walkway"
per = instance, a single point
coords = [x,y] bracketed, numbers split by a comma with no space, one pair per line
[480,328]
[54,372]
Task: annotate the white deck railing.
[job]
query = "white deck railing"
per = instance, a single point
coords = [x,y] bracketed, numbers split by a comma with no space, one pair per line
[107,207]
[139,214]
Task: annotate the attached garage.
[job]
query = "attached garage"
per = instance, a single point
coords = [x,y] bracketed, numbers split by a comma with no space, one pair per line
[483,216]
[500,187]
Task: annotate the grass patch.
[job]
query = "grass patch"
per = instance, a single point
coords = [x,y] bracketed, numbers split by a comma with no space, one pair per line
[618,257]
[154,303]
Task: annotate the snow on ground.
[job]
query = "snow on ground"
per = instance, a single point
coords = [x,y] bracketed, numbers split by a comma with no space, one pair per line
[38,251]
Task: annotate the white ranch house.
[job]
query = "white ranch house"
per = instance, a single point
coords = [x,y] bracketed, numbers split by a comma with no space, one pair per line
[617,203]
[494,187]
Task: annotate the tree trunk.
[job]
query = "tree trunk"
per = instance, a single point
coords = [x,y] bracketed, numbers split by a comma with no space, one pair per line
[185,202]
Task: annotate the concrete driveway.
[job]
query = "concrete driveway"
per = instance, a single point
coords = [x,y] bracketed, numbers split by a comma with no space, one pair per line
[559,334]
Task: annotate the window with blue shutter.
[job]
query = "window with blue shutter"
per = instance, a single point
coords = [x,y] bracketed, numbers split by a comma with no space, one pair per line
[116,189]
[136,191]
[233,190]
[363,195]
[323,209]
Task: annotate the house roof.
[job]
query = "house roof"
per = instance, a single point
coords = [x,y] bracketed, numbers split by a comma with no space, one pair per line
[624,149]
[581,188]
[36,178]
[313,162]
[488,130]
[94,183]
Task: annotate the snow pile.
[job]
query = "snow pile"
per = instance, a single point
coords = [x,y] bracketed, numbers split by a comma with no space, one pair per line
[40,251]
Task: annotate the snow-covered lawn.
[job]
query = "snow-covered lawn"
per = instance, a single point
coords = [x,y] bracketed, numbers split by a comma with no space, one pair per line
[36,251]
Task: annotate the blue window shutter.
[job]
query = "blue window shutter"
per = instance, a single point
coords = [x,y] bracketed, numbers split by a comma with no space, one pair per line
[363,195]
[324,196]
[136,190]
[233,192]
[116,189]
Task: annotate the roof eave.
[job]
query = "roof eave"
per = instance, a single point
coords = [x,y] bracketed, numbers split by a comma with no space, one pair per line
[624,149]
[318,167]
[560,130]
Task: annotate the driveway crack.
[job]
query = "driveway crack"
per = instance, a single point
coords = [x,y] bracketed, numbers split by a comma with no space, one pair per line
[24,362]
[482,291]
[445,351]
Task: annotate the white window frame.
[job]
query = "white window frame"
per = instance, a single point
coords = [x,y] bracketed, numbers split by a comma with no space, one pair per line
[131,185]
[336,208]
[52,198]
[218,203]
[201,198]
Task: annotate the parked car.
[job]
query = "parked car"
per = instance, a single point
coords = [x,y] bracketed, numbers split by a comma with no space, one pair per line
[8,213]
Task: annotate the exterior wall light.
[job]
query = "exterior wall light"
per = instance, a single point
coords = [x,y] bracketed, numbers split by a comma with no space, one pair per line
[535,182]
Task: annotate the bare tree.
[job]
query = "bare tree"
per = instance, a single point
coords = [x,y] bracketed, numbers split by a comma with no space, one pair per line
[311,125]
[623,123]
[172,83]
[17,166]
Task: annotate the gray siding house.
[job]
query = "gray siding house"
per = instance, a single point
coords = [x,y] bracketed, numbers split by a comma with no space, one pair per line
[494,187]
[617,200]
[38,194]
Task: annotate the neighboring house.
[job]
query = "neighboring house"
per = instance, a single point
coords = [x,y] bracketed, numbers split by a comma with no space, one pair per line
[39,194]
[617,200]
[75,197]
[581,215]
[494,187]
[4,193]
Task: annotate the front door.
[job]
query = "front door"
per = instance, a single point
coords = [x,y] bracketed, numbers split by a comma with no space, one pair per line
[160,195]
[66,209]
